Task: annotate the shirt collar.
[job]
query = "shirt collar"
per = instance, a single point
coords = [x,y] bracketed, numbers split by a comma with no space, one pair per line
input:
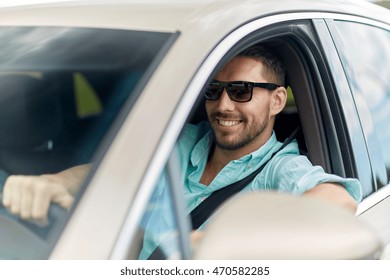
[202,148]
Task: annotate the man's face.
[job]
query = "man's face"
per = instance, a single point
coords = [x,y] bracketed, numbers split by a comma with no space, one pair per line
[235,124]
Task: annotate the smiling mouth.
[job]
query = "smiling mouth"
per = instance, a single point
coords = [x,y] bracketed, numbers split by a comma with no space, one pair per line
[228,123]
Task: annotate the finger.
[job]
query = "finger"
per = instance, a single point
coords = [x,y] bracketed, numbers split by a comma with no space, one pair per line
[40,203]
[15,198]
[64,199]
[26,201]
[7,191]
[40,222]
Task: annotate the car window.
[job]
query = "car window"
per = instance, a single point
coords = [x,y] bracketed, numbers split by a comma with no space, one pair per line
[62,91]
[158,227]
[367,58]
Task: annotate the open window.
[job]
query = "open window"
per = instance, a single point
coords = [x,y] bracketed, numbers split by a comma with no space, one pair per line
[302,108]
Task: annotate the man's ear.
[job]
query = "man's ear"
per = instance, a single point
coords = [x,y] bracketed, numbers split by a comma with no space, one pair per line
[279,99]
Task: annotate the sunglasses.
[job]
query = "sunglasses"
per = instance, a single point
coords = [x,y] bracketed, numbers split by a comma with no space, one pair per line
[239,91]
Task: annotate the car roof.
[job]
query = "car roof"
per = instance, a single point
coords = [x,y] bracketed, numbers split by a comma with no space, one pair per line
[168,15]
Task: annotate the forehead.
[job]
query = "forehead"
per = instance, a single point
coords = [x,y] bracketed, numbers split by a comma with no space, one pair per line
[242,68]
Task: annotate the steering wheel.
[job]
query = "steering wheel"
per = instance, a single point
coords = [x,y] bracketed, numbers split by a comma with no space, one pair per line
[20,239]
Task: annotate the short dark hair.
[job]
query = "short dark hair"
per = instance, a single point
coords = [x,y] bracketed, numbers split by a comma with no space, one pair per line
[274,65]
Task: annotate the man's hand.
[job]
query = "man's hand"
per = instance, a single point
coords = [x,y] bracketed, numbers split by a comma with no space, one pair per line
[30,196]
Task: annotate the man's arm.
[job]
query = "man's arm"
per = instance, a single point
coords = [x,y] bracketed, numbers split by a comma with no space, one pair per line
[334,193]
[30,196]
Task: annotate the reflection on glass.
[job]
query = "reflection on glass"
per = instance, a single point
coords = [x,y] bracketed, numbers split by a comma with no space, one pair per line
[159,226]
[368,59]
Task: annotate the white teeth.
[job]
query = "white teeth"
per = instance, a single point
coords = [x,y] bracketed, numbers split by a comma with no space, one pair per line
[228,123]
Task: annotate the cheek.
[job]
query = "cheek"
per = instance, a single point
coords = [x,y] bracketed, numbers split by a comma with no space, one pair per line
[208,107]
[259,110]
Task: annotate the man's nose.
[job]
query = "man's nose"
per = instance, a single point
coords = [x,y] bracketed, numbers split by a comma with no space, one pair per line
[225,103]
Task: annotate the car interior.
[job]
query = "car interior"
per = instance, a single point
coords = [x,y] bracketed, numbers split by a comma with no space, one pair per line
[51,122]
[33,137]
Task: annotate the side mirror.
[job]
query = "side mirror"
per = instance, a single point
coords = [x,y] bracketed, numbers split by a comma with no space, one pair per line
[279,226]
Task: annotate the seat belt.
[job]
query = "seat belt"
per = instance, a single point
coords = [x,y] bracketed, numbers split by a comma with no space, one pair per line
[207,207]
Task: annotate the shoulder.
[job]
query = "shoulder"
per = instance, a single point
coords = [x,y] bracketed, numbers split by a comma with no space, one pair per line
[287,168]
[290,163]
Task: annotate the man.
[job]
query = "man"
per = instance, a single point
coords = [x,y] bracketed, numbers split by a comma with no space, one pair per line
[242,138]
[241,103]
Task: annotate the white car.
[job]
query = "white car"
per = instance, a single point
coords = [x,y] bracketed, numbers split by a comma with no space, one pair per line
[114,83]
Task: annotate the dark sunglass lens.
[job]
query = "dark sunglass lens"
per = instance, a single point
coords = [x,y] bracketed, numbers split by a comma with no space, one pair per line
[240,93]
[213,92]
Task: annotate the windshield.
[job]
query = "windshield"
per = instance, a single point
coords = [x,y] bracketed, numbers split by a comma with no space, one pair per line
[61,90]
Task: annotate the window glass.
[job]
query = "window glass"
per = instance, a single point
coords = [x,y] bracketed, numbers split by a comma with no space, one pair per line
[61,90]
[159,225]
[367,60]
